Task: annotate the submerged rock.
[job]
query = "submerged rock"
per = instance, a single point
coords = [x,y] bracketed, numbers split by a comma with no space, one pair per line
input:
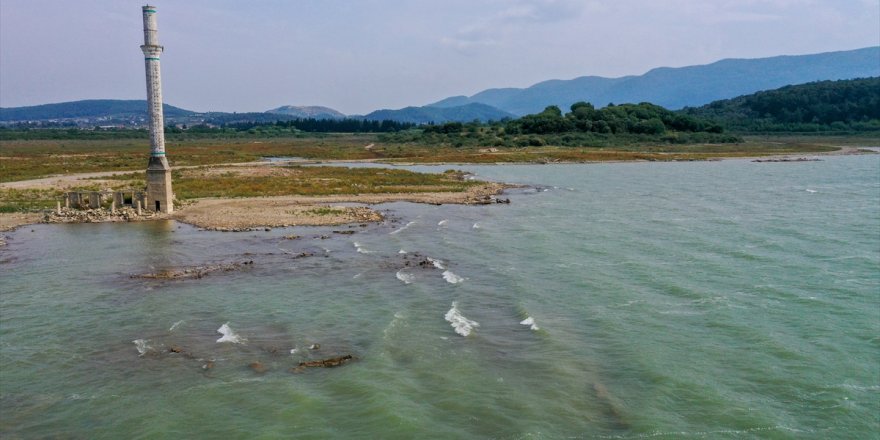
[789,159]
[323,363]
[258,367]
[193,271]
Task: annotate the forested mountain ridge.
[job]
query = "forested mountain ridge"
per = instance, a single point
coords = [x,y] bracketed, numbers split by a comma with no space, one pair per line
[308,111]
[849,105]
[439,115]
[89,108]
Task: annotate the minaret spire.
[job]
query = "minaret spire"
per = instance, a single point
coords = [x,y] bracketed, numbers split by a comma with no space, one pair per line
[159,195]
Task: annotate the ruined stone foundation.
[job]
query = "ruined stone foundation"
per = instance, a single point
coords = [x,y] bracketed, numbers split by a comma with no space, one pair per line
[159,195]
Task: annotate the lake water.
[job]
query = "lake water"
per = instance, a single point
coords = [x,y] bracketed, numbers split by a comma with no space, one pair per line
[639,300]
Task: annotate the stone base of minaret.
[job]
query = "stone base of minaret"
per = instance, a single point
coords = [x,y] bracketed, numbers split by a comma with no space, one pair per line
[159,195]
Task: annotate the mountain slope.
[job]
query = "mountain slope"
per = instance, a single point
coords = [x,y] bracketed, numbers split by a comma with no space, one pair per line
[424,115]
[818,106]
[684,86]
[90,108]
[307,112]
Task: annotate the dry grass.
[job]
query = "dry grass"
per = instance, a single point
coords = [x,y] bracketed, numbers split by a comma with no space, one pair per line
[308,181]
[23,160]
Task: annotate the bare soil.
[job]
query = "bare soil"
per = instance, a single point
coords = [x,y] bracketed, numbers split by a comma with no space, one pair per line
[241,213]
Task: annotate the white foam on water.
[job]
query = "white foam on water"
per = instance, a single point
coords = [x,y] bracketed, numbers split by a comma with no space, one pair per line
[811,190]
[175,325]
[294,350]
[402,229]
[437,263]
[462,325]
[356,276]
[477,226]
[141,345]
[443,222]
[361,249]
[451,277]
[401,251]
[530,322]
[407,278]
[229,335]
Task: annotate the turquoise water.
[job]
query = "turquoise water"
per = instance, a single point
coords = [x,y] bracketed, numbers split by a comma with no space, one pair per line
[678,300]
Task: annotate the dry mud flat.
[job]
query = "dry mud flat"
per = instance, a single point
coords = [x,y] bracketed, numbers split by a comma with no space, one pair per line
[281,211]
[12,220]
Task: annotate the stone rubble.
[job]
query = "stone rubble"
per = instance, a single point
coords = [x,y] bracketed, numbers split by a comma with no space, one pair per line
[99,215]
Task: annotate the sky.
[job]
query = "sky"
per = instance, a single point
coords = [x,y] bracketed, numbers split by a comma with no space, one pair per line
[359,56]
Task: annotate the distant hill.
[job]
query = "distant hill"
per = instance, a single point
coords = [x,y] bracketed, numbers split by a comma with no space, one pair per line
[424,115]
[307,112]
[852,105]
[676,88]
[91,108]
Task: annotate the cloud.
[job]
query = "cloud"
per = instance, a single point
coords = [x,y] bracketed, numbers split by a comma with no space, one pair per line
[493,30]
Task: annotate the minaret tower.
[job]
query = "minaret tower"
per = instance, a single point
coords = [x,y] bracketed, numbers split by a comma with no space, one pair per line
[159,195]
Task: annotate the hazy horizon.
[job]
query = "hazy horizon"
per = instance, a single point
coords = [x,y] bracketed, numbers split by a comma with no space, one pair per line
[224,56]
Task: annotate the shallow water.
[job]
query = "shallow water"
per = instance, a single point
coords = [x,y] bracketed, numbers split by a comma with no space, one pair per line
[677,300]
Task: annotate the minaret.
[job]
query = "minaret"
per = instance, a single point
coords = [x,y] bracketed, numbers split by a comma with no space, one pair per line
[159,195]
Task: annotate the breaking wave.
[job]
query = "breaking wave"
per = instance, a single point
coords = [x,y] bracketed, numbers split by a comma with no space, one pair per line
[229,335]
[451,277]
[407,278]
[360,248]
[443,222]
[141,345]
[437,263]
[175,325]
[402,229]
[462,325]
[530,322]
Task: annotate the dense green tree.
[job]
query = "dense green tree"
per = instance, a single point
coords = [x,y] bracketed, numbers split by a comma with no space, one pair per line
[845,105]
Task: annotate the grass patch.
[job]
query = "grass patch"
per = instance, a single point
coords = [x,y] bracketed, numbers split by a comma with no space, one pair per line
[28,200]
[309,181]
[325,211]
[30,159]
